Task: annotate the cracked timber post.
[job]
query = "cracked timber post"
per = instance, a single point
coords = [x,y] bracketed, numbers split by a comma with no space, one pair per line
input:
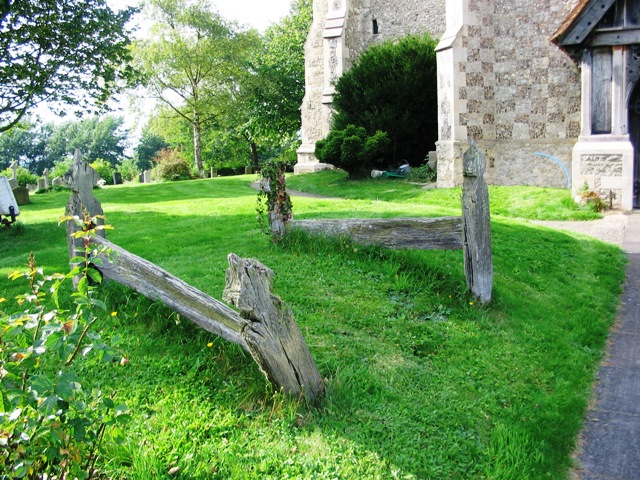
[478,264]
[271,335]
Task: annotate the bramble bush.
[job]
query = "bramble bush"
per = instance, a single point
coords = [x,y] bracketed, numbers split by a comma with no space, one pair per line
[51,426]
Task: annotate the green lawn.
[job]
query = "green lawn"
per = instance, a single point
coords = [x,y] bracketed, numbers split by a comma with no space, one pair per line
[421,381]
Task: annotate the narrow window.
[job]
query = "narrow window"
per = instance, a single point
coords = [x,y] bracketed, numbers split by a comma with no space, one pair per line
[375,26]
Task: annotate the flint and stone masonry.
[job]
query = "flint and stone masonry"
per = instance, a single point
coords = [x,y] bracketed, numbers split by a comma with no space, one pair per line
[507,78]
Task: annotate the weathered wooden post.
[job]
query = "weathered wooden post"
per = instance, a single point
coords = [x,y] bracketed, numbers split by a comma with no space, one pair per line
[272,335]
[273,189]
[81,179]
[476,224]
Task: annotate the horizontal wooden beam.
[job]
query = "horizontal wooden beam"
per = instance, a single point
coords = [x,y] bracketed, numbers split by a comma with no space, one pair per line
[615,37]
[444,233]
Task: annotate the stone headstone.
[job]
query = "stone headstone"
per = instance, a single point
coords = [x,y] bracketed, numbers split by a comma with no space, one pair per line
[22,195]
[248,170]
[141,178]
[32,187]
[147,176]
[117,178]
[45,175]
[433,160]
[14,168]
[41,184]
[214,172]
[13,183]
[57,182]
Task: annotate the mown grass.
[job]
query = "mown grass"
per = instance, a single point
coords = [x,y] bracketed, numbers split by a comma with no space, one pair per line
[421,381]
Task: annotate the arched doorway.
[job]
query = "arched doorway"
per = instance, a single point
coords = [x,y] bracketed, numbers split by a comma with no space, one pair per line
[634,135]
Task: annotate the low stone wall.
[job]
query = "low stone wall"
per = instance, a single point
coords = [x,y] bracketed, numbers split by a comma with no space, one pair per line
[509,163]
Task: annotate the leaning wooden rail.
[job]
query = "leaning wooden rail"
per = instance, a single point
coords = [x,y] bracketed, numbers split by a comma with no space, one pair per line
[265,326]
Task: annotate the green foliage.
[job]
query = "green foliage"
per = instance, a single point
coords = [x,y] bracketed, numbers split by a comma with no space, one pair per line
[49,423]
[128,169]
[25,177]
[149,146]
[104,169]
[277,88]
[352,150]
[97,138]
[193,63]
[422,174]
[172,165]
[27,144]
[61,167]
[392,87]
[55,50]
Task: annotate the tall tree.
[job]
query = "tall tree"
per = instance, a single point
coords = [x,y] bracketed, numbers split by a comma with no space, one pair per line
[104,138]
[69,51]
[277,87]
[193,62]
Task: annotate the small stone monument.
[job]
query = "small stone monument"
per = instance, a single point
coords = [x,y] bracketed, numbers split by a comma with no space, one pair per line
[248,170]
[147,176]
[117,178]
[141,178]
[21,195]
[45,174]
[57,182]
[214,172]
[41,184]
[13,181]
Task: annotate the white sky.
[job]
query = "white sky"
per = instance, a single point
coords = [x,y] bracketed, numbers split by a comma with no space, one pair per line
[255,13]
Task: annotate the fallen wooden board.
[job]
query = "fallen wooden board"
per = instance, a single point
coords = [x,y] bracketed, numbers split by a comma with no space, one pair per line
[443,233]
[265,326]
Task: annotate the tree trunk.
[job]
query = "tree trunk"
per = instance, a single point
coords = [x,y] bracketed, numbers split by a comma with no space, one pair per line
[197,142]
[254,156]
[478,264]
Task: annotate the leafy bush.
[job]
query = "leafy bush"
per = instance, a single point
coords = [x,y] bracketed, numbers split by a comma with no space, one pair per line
[61,167]
[172,165]
[392,88]
[104,169]
[25,177]
[128,169]
[50,426]
[353,150]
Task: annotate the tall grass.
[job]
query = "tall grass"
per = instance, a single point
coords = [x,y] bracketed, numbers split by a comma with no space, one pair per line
[421,381]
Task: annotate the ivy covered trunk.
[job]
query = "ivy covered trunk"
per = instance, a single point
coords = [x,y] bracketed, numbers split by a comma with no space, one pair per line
[274,194]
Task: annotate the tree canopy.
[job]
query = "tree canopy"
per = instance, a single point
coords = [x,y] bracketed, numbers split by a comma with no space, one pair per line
[69,51]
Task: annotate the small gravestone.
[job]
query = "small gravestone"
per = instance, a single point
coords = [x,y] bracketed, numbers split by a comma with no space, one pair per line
[117,178]
[45,175]
[21,195]
[214,172]
[57,182]
[41,184]
[147,176]
[248,170]
[13,181]
[32,187]
[141,178]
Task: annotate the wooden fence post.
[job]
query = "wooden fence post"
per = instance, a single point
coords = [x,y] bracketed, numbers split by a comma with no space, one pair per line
[478,264]
[272,335]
